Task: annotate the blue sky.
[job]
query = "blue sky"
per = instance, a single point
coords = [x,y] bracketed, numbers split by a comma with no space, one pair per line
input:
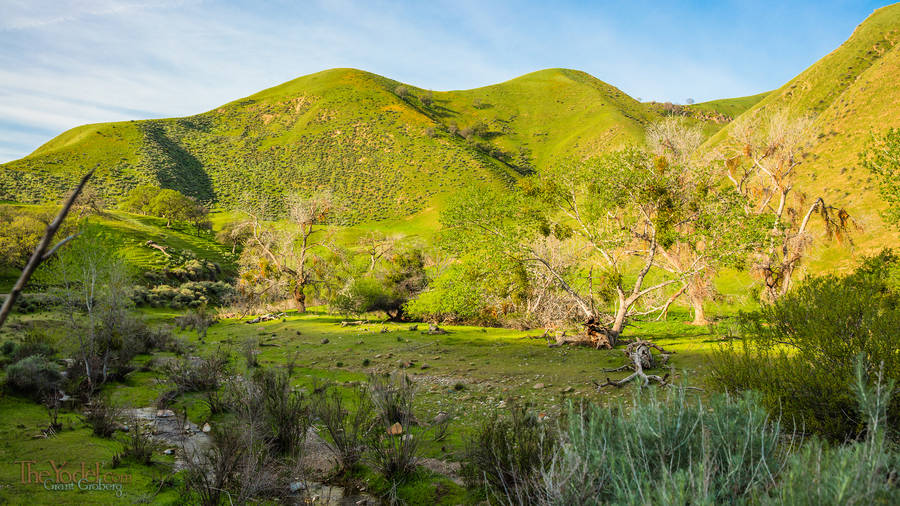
[67,63]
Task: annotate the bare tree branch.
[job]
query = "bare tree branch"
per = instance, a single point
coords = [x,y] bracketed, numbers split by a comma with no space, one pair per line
[40,252]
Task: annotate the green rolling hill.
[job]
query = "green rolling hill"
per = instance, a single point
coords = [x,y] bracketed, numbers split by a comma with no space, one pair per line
[393,152]
[388,150]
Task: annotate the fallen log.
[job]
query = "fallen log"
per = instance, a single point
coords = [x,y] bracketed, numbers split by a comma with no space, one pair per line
[266,318]
[154,245]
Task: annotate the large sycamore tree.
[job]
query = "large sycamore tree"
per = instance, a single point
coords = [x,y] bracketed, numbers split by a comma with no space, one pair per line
[644,224]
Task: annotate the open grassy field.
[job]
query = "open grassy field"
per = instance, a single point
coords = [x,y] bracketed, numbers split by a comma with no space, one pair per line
[471,372]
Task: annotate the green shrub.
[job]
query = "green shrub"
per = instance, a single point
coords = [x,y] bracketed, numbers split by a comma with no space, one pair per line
[198,374]
[34,343]
[864,472]
[507,455]
[285,413]
[35,376]
[667,449]
[394,440]
[346,422]
[799,351]
[103,417]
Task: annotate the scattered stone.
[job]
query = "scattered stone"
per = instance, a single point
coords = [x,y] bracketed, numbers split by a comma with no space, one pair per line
[425,366]
[538,386]
[206,428]
[378,356]
[434,330]
[567,389]
[164,413]
[169,451]
[325,341]
[413,328]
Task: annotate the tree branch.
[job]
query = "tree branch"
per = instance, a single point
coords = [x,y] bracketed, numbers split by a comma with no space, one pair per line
[40,252]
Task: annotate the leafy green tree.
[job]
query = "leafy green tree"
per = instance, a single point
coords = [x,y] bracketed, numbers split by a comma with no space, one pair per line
[166,203]
[386,289]
[138,199]
[882,158]
[94,284]
[171,205]
[637,216]
[21,229]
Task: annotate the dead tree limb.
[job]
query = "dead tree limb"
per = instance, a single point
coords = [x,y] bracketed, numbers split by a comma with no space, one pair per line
[41,251]
[152,244]
[641,358]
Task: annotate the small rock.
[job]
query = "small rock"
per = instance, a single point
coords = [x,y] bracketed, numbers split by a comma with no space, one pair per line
[567,389]
[164,413]
[378,356]
[395,429]
[325,341]
[169,451]
[538,386]
[206,428]
[425,366]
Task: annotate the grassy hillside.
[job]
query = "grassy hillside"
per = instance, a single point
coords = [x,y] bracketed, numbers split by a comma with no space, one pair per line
[386,149]
[852,92]
[732,107]
[128,234]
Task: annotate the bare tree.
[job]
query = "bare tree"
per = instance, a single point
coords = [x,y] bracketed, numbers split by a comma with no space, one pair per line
[376,245]
[282,255]
[761,163]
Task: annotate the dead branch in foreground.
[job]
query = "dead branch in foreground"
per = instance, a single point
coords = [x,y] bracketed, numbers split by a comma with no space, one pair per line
[40,252]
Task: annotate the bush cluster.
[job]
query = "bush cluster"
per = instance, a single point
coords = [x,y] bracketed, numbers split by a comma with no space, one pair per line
[799,351]
[673,449]
[187,295]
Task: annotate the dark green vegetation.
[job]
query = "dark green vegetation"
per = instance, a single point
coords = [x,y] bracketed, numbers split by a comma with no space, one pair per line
[799,352]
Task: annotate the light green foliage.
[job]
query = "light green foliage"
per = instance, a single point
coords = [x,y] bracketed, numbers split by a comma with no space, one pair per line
[21,228]
[386,286]
[165,203]
[34,376]
[882,158]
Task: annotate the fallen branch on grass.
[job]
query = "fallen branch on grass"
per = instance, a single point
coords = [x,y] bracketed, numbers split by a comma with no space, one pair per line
[267,317]
[641,357]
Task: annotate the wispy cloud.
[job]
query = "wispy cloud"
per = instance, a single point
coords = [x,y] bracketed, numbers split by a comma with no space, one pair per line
[73,62]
